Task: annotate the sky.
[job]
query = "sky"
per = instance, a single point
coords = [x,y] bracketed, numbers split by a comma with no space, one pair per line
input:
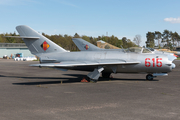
[121,18]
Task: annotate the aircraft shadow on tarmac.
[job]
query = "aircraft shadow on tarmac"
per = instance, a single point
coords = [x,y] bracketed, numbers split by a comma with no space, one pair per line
[112,79]
[57,80]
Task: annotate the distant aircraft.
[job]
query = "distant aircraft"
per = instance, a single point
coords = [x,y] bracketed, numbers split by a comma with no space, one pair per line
[175,52]
[102,61]
[83,45]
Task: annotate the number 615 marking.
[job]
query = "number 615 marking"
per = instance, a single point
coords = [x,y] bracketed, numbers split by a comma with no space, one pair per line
[155,60]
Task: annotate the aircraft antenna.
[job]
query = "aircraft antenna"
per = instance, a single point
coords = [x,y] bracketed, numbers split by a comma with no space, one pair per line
[123,48]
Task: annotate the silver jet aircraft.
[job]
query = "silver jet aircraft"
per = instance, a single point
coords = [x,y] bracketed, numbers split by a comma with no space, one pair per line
[97,62]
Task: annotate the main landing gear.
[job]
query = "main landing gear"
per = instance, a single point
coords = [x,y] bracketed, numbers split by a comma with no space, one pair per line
[91,80]
[106,75]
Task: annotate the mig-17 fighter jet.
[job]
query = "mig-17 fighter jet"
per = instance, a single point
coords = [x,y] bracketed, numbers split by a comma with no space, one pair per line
[97,62]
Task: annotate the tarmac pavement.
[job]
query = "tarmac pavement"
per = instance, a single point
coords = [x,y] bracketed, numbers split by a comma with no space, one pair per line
[28,93]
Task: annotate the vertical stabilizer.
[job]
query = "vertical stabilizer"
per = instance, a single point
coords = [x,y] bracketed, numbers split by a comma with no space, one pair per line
[84,45]
[36,42]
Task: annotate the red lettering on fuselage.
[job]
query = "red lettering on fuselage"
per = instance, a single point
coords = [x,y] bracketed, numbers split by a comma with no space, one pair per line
[154,60]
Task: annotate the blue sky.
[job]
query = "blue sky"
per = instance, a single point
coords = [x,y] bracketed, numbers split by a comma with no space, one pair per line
[121,18]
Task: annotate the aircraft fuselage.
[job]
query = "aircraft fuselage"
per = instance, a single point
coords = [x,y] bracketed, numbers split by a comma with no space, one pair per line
[149,63]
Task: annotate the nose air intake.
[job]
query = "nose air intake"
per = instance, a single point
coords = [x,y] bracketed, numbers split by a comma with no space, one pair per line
[171,58]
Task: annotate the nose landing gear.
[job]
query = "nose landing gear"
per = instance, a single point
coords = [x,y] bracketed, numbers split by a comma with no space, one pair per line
[149,77]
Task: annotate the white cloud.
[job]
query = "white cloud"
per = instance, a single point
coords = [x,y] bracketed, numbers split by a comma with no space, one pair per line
[172,20]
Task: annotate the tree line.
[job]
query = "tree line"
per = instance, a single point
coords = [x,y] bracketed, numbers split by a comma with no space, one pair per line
[66,42]
[167,39]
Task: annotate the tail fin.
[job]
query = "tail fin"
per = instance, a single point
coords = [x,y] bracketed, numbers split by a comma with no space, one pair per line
[36,42]
[84,45]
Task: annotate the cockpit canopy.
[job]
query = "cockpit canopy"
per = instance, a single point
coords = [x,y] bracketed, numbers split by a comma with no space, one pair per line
[138,50]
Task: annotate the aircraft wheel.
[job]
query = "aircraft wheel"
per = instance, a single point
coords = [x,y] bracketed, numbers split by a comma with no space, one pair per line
[91,80]
[94,81]
[106,75]
[149,77]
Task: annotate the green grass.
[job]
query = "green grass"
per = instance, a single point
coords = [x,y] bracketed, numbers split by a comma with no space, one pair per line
[178,58]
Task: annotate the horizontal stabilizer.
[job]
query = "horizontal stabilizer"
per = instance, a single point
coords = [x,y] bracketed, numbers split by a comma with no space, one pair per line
[26,37]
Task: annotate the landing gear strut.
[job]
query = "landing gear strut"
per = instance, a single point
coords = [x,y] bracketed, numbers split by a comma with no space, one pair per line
[149,77]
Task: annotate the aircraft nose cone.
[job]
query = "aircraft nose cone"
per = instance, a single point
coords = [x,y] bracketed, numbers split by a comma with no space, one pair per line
[173,65]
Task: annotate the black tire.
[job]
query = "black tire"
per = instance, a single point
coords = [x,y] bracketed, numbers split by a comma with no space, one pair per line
[106,75]
[93,81]
[149,77]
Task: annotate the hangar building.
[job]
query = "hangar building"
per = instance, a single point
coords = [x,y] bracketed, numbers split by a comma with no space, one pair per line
[14,48]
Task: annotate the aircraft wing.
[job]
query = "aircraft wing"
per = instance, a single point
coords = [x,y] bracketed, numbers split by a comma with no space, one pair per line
[86,63]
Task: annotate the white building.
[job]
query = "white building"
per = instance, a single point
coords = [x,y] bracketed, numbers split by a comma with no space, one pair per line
[14,48]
